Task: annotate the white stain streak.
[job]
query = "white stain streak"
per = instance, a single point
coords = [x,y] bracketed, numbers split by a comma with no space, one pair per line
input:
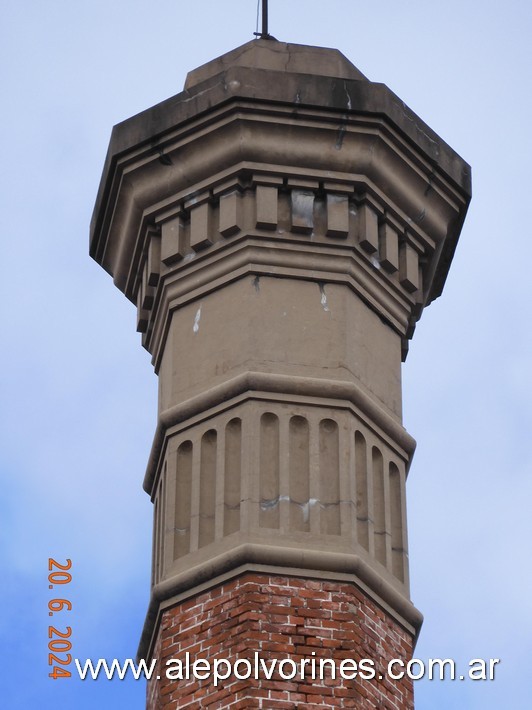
[195,327]
[305,507]
[324,303]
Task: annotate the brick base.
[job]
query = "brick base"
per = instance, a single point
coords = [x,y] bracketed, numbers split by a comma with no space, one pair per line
[281,617]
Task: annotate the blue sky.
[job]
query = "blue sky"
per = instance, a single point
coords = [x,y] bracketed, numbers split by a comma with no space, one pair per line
[78,402]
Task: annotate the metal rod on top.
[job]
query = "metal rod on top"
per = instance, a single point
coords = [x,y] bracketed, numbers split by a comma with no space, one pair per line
[265,32]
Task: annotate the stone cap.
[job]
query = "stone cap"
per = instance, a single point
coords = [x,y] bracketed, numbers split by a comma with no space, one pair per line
[269,73]
[264,56]
[279,56]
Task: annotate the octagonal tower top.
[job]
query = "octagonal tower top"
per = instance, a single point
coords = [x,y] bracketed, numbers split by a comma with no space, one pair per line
[338,126]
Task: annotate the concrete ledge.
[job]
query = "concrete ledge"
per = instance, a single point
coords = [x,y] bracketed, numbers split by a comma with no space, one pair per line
[277,560]
[250,255]
[287,385]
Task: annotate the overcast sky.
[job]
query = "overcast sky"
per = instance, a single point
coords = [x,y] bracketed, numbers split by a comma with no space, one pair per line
[78,404]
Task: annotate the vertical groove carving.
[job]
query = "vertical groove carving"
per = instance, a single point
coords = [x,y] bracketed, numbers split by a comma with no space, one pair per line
[207,490]
[183,491]
[396,515]
[361,487]
[299,484]
[155,543]
[162,525]
[329,478]
[379,506]
[269,471]
[289,472]
[232,476]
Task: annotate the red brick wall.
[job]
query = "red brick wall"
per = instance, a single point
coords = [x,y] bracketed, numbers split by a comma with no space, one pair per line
[281,617]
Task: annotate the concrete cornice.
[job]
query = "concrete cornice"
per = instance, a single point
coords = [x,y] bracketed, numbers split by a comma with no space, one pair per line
[250,382]
[240,110]
[272,559]
[299,91]
[269,257]
[251,132]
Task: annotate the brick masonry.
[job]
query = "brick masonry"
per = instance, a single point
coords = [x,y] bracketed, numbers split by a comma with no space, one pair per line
[281,617]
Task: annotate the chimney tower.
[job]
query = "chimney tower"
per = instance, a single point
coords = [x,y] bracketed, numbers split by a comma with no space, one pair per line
[280,225]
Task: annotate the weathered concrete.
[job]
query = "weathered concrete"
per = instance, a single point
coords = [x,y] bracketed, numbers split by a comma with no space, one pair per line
[281,225]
